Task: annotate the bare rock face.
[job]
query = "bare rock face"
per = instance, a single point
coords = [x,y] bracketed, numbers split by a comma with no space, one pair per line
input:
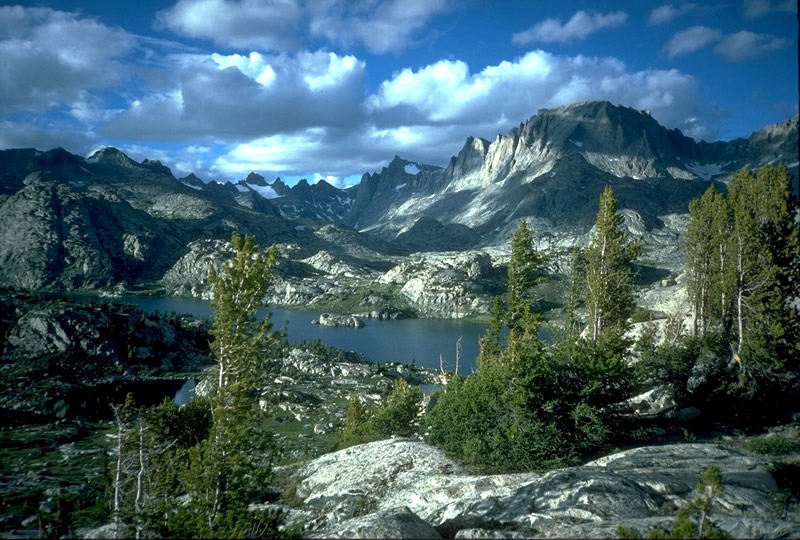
[448,285]
[189,275]
[392,523]
[640,488]
[346,321]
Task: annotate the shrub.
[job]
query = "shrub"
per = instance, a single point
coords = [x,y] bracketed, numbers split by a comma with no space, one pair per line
[774,446]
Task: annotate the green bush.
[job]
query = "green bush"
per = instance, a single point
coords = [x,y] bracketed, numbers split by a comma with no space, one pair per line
[396,416]
[773,446]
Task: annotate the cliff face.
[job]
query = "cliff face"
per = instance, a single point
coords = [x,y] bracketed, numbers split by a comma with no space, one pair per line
[554,166]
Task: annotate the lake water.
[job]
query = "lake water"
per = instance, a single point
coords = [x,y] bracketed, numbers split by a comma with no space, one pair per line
[421,340]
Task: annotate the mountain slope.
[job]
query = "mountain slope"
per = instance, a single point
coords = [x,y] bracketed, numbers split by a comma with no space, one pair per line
[554,166]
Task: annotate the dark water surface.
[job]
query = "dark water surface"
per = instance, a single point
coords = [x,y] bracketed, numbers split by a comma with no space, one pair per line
[422,340]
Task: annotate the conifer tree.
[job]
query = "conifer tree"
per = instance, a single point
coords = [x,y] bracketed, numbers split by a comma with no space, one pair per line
[764,250]
[490,343]
[231,468]
[609,284]
[241,342]
[700,241]
[574,294]
[523,322]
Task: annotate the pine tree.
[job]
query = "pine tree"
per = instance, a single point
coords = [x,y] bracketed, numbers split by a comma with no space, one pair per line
[765,252]
[490,348]
[241,342]
[574,294]
[523,269]
[231,468]
[609,284]
[700,241]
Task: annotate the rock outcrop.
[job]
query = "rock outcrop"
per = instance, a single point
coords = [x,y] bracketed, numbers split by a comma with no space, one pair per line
[345,321]
[639,488]
[447,285]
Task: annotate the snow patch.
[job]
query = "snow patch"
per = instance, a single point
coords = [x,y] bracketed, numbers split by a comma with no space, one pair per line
[300,227]
[795,164]
[411,168]
[265,191]
[196,188]
[576,143]
[399,187]
[242,189]
[706,170]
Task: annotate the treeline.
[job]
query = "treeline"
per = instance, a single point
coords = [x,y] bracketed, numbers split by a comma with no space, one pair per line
[535,406]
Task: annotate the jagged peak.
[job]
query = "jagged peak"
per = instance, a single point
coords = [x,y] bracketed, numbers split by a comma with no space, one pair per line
[156,166]
[193,180]
[255,179]
[110,154]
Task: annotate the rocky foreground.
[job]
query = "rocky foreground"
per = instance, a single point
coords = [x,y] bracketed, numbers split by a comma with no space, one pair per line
[402,488]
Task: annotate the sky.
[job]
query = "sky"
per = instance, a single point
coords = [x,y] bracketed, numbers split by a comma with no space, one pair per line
[333,89]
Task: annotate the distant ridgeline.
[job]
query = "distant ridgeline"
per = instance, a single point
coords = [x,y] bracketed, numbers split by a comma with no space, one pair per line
[110,222]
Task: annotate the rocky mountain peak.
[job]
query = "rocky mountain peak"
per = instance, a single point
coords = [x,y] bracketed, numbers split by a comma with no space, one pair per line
[192,180]
[113,156]
[255,179]
[280,187]
[157,167]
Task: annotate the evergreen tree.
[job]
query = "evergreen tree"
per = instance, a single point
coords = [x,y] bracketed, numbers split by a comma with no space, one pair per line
[242,342]
[575,293]
[700,241]
[490,348]
[231,468]
[764,251]
[609,283]
[523,275]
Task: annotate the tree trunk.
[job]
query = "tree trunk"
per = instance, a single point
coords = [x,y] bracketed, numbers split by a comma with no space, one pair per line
[117,484]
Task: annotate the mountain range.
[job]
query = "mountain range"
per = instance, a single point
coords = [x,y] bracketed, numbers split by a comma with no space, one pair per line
[108,221]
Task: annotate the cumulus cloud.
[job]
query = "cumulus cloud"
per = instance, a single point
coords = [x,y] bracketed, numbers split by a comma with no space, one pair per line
[52,58]
[579,26]
[234,97]
[446,93]
[691,39]
[754,9]
[277,25]
[745,45]
[270,25]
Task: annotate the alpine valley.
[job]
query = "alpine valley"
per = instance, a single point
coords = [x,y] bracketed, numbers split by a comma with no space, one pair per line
[410,240]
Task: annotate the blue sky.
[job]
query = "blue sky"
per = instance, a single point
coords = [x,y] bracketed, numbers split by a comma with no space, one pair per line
[335,88]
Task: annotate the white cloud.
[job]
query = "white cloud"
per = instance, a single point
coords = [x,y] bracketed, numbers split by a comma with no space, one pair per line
[278,25]
[235,97]
[579,26]
[52,58]
[754,9]
[691,39]
[381,25]
[269,25]
[499,97]
[745,45]
[667,12]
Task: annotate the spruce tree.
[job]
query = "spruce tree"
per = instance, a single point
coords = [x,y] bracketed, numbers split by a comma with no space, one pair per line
[609,280]
[230,469]
[490,348]
[700,241]
[523,275]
